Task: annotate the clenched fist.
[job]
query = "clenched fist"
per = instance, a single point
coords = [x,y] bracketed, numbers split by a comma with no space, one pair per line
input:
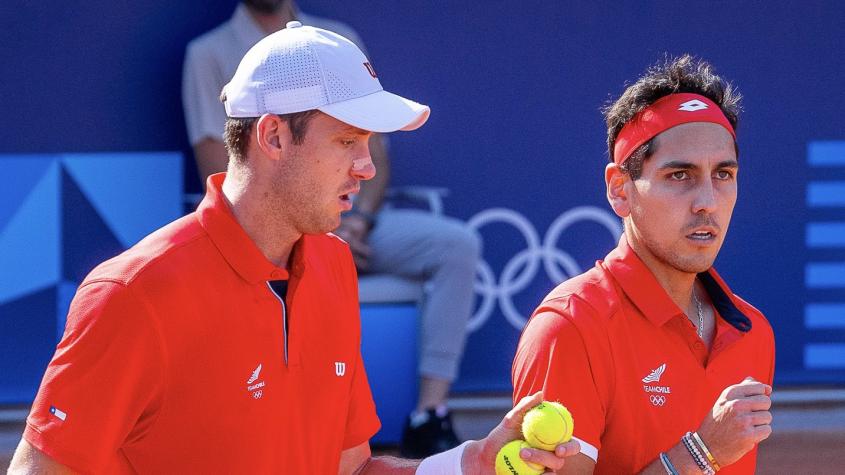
[739,420]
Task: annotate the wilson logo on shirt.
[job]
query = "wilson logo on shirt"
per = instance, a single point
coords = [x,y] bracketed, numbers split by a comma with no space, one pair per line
[656,394]
[255,387]
[339,368]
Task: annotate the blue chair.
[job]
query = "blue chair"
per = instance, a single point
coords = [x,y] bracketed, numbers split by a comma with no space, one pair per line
[389,323]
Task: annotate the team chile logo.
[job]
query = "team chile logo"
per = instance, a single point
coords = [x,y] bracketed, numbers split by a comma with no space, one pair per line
[657,395]
[253,385]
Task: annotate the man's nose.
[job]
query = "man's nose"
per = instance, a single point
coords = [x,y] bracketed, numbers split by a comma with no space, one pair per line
[363,168]
[705,198]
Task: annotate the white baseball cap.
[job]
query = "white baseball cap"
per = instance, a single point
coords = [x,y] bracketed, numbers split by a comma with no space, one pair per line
[302,68]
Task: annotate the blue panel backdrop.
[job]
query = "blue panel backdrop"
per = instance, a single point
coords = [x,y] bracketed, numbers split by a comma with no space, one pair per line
[515,89]
[60,216]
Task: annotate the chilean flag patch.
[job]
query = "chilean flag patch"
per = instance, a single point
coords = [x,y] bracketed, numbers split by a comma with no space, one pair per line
[58,412]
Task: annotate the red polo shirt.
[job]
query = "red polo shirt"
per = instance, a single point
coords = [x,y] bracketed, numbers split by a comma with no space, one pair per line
[614,348]
[176,359]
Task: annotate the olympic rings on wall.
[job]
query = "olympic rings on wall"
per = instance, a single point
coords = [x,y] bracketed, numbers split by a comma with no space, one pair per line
[521,269]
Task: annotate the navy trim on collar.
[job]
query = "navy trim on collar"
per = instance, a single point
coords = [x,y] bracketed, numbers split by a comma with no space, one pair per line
[723,303]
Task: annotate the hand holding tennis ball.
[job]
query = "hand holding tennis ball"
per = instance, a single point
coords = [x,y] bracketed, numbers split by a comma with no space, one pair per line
[505,453]
[544,427]
[547,425]
[508,461]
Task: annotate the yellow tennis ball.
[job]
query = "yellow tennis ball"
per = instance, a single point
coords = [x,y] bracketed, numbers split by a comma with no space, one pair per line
[508,461]
[547,425]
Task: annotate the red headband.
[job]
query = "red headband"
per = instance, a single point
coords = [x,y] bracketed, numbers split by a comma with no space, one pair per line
[665,113]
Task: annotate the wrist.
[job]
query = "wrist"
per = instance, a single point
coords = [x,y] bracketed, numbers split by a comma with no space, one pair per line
[695,452]
[706,451]
[682,461]
[450,462]
[474,454]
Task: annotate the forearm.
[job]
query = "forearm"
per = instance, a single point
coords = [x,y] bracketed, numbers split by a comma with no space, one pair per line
[474,457]
[30,460]
[466,459]
[372,191]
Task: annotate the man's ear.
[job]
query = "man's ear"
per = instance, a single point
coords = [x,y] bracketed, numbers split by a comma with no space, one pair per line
[614,180]
[272,136]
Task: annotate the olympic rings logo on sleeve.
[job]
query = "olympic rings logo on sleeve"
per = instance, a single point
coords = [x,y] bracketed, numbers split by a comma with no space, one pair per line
[657,401]
[521,269]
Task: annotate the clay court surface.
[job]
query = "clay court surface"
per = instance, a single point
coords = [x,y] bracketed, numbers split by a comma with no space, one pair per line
[803,453]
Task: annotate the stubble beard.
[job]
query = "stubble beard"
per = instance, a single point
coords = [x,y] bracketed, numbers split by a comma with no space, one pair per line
[691,264]
[687,263]
[304,208]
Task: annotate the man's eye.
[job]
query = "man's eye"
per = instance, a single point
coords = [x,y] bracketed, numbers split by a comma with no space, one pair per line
[348,142]
[724,175]
[679,175]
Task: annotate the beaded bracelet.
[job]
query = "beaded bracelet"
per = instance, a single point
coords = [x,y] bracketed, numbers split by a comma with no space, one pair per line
[696,454]
[706,451]
[699,459]
[667,464]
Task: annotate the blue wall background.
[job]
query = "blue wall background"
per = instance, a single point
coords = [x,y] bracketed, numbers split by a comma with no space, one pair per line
[515,89]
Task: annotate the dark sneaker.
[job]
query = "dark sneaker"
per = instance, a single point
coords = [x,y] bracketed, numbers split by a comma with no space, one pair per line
[427,434]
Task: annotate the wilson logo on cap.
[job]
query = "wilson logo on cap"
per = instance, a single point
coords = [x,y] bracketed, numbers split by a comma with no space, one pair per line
[304,68]
[371,70]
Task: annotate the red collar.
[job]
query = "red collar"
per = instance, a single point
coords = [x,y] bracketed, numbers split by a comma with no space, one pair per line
[235,245]
[643,289]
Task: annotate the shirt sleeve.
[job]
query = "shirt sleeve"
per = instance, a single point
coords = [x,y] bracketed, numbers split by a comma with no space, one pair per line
[103,386]
[770,345]
[553,356]
[202,83]
[362,423]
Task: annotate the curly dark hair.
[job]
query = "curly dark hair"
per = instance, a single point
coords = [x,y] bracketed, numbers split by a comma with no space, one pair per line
[673,75]
[237,131]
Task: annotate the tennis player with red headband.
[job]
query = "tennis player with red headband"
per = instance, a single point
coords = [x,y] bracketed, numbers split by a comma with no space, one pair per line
[664,368]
